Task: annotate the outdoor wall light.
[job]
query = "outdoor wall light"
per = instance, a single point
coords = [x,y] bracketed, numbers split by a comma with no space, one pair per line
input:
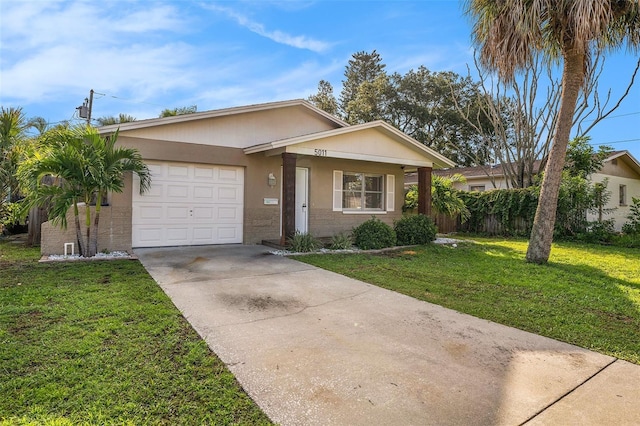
[271,180]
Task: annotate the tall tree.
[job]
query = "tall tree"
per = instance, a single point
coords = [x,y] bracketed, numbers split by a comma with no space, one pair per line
[109,120]
[178,111]
[362,67]
[324,99]
[523,115]
[85,166]
[511,32]
[13,127]
[427,106]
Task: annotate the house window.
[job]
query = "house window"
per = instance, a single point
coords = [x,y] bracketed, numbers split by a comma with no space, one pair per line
[363,192]
[478,188]
[623,195]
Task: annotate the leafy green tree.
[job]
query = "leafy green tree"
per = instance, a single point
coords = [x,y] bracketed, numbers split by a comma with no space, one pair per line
[109,120]
[324,99]
[632,226]
[363,67]
[510,33]
[178,111]
[84,165]
[582,159]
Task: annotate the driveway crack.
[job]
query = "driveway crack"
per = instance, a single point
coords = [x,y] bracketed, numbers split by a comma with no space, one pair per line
[569,392]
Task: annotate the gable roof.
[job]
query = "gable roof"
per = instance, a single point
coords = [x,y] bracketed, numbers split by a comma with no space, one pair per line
[152,122]
[627,158]
[295,144]
[497,170]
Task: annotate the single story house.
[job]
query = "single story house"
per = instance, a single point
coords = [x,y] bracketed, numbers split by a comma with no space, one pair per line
[255,173]
[620,169]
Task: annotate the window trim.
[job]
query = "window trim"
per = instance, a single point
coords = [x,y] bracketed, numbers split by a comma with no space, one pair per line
[388,193]
[622,195]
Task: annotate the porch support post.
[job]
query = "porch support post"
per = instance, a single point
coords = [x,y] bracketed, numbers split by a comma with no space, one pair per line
[424,190]
[288,196]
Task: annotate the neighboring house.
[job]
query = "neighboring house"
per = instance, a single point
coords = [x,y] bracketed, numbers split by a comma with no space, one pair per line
[620,168]
[255,173]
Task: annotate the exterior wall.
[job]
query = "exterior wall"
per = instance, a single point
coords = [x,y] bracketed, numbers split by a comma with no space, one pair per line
[262,222]
[114,232]
[499,183]
[620,212]
[240,130]
[323,221]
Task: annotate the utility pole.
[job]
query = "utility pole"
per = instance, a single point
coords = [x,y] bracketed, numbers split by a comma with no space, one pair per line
[90,106]
[84,110]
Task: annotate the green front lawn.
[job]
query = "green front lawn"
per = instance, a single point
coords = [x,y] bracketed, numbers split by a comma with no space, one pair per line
[100,343]
[587,295]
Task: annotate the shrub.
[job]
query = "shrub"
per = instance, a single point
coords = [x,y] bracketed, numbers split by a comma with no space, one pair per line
[374,234]
[626,240]
[415,229]
[341,241]
[633,225]
[303,243]
[598,232]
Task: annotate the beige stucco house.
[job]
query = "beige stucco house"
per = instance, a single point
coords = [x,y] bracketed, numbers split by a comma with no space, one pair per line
[255,173]
[621,171]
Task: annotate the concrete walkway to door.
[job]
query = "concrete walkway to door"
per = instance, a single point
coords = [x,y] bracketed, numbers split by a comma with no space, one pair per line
[312,347]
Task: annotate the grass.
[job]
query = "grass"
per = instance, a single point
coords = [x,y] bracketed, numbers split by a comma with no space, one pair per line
[100,343]
[588,295]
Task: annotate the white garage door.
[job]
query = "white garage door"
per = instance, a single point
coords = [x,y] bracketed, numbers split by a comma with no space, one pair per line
[188,204]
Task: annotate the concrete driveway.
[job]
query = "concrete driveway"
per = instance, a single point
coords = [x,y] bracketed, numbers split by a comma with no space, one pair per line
[312,347]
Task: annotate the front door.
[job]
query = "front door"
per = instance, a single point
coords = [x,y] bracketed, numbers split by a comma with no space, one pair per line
[302,199]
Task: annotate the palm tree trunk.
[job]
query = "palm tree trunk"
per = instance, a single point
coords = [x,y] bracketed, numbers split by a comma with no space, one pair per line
[87,222]
[93,244]
[543,224]
[76,216]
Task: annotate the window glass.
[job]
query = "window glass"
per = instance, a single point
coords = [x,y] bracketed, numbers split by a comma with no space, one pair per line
[362,191]
[623,195]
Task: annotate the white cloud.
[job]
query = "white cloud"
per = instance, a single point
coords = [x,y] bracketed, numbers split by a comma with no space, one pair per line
[51,48]
[300,41]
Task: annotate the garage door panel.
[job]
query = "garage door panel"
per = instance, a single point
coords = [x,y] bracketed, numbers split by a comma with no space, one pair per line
[204,213]
[178,235]
[203,193]
[226,174]
[148,236]
[228,234]
[147,212]
[180,213]
[178,172]
[229,194]
[228,214]
[177,193]
[189,204]
[204,173]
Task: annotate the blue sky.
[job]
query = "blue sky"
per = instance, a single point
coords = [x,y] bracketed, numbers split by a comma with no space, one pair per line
[143,56]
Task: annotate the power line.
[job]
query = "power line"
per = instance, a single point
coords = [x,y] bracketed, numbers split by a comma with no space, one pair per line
[614,142]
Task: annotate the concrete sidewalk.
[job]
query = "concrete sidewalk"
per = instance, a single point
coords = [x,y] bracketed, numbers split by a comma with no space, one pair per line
[312,347]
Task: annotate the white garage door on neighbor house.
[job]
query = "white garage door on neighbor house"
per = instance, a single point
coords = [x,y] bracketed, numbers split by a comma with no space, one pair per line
[188,204]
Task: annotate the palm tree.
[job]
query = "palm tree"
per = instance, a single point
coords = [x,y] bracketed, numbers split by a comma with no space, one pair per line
[85,166]
[510,33]
[445,199]
[13,126]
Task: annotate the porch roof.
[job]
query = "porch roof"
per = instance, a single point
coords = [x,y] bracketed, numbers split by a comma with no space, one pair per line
[376,141]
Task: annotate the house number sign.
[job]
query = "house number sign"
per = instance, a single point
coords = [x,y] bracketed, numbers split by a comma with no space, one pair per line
[320,152]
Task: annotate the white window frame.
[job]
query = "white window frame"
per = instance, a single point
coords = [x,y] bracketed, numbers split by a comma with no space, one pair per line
[622,195]
[388,193]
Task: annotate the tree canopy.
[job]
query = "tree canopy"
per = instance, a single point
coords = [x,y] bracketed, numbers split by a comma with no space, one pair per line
[511,33]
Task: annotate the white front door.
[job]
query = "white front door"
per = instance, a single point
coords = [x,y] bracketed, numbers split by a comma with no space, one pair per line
[302,199]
